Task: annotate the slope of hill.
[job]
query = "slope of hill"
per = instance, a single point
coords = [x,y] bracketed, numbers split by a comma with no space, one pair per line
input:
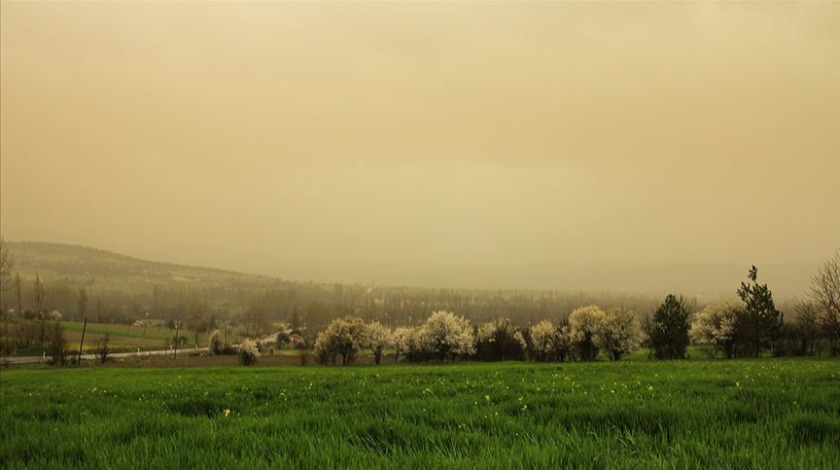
[91,267]
[79,265]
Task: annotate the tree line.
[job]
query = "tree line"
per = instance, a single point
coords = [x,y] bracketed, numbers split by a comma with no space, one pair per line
[747,326]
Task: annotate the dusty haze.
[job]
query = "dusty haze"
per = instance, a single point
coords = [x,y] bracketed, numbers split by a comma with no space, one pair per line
[288,138]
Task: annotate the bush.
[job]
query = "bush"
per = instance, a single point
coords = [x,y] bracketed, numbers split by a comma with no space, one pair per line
[58,345]
[499,340]
[216,344]
[298,342]
[248,352]
[550,342]
[719,325]
[803,336]
[282,339]
[103,348]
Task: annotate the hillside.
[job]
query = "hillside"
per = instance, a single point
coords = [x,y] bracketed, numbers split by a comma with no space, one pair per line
[91,267]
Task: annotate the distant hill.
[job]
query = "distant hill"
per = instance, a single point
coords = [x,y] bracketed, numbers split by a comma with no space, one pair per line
[79,265]
[92,267]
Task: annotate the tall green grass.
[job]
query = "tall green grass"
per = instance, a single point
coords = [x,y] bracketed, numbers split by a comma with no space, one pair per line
[710,414]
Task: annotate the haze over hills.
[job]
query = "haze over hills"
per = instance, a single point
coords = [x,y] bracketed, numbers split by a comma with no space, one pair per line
[94,267]
[97,268]
[554,145]
[703,280]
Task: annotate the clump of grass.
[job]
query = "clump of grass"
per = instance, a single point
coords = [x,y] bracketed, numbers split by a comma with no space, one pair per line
[815,429]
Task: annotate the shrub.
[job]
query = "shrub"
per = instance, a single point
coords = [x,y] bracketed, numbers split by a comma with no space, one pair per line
[58,345]
[248,352]
[719,325]
[325,348]
[282,339]
[216,344]
[103,348]
[298,342]
[803,336]
[499,340]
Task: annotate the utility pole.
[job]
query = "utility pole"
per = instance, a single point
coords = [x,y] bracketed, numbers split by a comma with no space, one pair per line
[177,325]
[84,327]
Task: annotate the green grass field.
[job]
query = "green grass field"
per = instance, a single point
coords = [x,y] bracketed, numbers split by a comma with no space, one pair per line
[778,413]
[123,337]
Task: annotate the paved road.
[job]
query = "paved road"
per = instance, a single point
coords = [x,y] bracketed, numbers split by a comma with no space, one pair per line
[91,357]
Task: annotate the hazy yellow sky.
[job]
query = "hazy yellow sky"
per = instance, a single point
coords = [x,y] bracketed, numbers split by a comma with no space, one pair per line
[268,136]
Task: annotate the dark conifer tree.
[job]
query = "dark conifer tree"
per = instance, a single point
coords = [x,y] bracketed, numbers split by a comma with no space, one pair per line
[761,323]
[669,331]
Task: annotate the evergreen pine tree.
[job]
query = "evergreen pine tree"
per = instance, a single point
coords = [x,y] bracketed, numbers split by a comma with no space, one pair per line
[669,332]
[761,323]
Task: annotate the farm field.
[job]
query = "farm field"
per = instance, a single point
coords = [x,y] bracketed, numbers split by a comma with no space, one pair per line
[123,337]
[751,413]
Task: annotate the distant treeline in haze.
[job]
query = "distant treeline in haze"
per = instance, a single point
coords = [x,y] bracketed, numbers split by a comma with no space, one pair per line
[84,282]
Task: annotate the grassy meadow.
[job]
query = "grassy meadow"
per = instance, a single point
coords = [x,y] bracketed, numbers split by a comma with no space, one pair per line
[746,413]
[123,337]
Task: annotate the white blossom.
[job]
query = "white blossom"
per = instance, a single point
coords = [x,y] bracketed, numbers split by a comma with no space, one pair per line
[717,324]
[248,352]
[619,332]
[584,324]
[447,336]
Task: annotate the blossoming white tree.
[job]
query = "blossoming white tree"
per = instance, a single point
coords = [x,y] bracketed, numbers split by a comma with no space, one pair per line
[248,352]
[378,338]
[619,332]
[550,342]
[448,336]
[717,325]
[343,337]
[584,324]
[404,340]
